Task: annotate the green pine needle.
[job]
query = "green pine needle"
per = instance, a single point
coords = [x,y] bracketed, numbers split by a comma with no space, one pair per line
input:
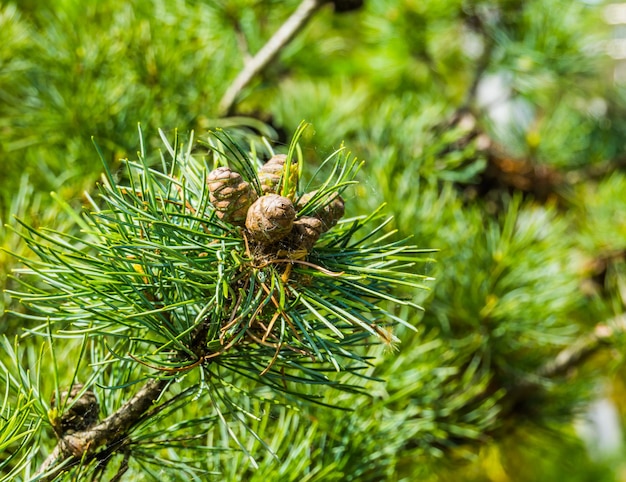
[155,269]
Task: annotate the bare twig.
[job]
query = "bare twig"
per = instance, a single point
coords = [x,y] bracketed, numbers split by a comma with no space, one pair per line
[268,52]
[74,447]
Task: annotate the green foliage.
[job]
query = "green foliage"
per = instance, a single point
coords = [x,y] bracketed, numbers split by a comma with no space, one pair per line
[84,85]
[604,203]
[155,279]
[492,130]
[154,267]
[521,280]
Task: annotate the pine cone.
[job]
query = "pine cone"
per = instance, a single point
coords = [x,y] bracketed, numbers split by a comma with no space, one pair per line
[270,218]
[230,195]
[271,173]
[332,212]
[306,231]
[329,213]
[80,414]
[304,200]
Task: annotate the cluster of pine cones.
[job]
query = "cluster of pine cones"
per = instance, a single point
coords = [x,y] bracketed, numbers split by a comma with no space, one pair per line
[270,219]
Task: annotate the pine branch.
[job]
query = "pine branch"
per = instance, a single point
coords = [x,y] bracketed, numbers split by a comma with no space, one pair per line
[189,282]
[570,357]
[584,347]
[73,448]
[269,52]
[500,406]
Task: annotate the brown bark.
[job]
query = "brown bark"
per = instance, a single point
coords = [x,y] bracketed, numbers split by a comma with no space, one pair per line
[74,447]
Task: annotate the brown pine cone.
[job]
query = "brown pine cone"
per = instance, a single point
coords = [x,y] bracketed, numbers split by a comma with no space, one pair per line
[306,231]
[329,213]
[332,212]
[230,195]
[270,218]
[304,200]
[271,172]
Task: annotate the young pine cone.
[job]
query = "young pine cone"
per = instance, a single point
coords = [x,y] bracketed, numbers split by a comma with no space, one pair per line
[270,218]
[271,172]
[79,414]
[230,195]
[329,213]
[306,231]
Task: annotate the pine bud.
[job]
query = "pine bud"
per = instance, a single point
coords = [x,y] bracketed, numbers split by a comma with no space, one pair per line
[271,172]
[306,232]
[330,211]
[270,218]
[230,195]
[80,413]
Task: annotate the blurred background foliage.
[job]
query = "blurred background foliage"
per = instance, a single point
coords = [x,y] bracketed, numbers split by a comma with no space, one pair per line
[493,130]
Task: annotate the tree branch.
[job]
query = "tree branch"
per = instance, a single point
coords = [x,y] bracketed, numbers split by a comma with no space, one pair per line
[572,356]
[72,448]
[268,52]
[584,347]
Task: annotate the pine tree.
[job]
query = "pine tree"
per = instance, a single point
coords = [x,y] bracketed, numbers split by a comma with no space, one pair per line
[241,299]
